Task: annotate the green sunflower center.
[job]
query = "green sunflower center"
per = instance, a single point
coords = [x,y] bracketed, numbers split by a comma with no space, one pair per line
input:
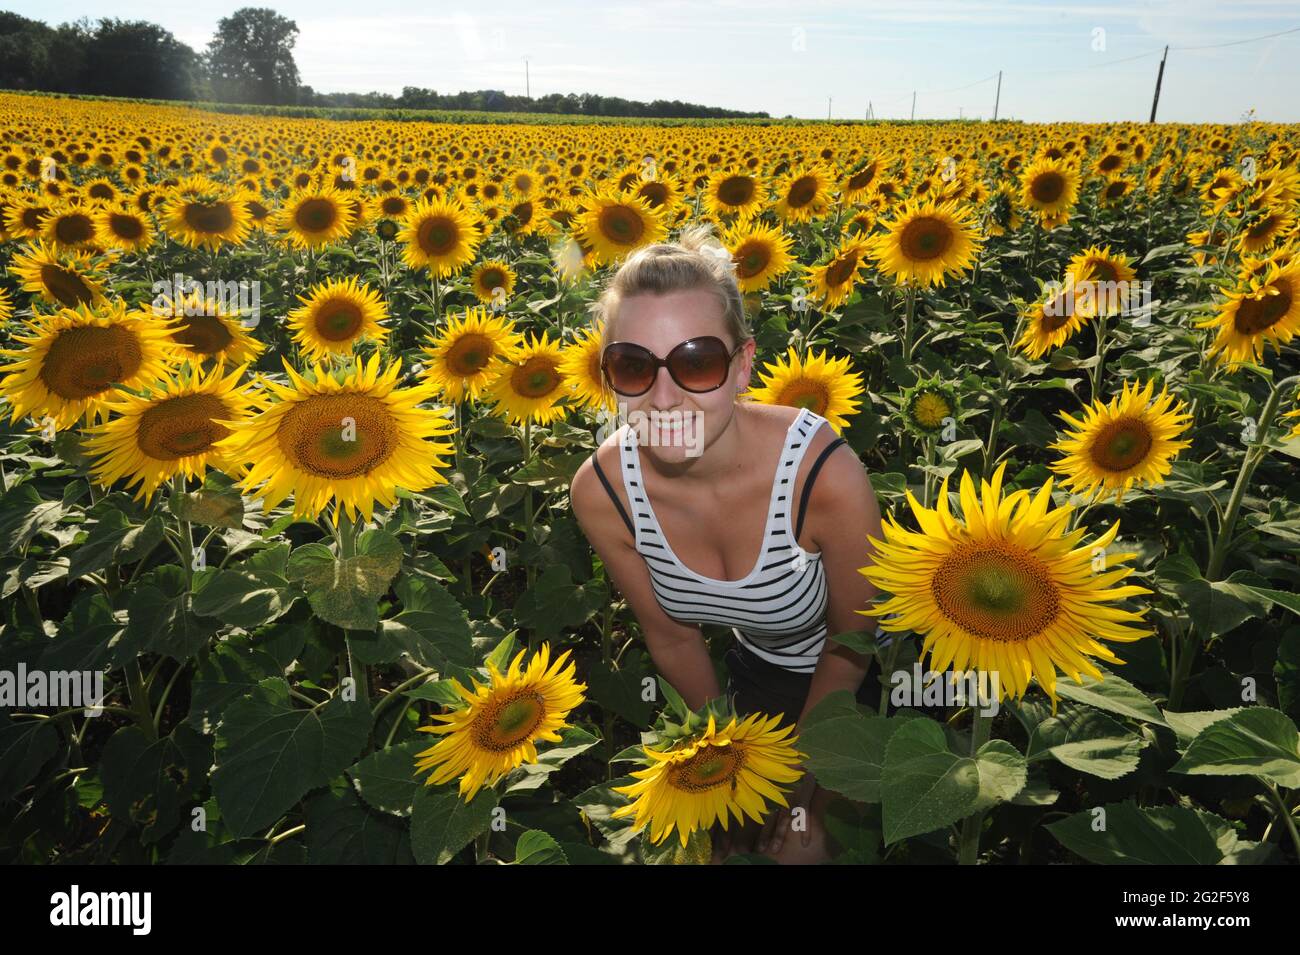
[338,436]
[806,393]
[209,218]
[1121,445]
[535,378]
[181,426]
[85,362]
[509,722]
[709,768]
[339,321]
[1047,187]
[925,238]
[469,355]
[621,225]
[316,215]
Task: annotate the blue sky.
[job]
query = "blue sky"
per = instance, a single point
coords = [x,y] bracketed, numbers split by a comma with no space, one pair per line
[1084,61]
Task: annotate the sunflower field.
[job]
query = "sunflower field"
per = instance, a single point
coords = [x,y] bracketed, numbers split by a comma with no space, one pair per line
[292,406]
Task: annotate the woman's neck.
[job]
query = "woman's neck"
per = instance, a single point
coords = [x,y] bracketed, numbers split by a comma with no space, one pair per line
[721,459]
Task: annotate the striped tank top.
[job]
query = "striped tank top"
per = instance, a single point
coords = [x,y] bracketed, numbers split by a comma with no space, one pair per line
[778,610]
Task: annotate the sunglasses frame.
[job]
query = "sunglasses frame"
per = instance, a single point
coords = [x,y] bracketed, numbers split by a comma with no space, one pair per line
[664,363]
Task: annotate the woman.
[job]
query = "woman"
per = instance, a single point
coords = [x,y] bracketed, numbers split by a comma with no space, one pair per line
[728,480]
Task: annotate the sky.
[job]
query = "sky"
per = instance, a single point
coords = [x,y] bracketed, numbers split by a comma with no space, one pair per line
[1086,61]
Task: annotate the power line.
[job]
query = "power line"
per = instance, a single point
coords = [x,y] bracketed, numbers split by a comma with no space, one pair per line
[1253,39]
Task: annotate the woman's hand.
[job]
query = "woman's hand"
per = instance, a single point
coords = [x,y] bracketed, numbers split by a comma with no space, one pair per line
[778,825]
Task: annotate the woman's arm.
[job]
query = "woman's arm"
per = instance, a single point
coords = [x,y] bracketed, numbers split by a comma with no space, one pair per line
[842,511]
[679,651]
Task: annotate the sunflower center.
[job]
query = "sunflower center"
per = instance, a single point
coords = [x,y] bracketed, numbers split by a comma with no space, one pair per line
[925,238]
[621,224]
[1057,313]
[1109,163]
[863,179]
[212,218]
[655,193]
[801,192]
[492,278]
[74,229]
[84,362]
[736,190]
[393,205]
[1105,271]
[66,286]
[1047,187]
[181,426]
[1256,314]
[709,768]
[805,393]
[510,721]
[126,227]
[752,258]
[469,355]
[995,590]
[338,321]
[338,436]
[535,378]
[1121,444]
[1263,228]
[206,334]
[1116,189]
[437,236]
[841,270]
[316,215]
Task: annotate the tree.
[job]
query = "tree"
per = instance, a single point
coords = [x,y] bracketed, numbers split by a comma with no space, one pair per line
[250,59]
[137,58]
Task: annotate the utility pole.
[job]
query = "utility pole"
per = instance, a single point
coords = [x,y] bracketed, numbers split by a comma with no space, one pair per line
[997,100]
[828,106]
[528,89]
[1159,76]
[870,110]
[913,104]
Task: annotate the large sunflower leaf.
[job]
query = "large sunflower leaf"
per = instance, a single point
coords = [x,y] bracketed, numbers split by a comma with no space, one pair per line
[269,753]
[345,591]
[1124,834]
[1256,741]
[442,823]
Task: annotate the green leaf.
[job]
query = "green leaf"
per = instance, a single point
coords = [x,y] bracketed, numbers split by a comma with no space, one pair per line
[442,823]
[859,641]
[1087,740]
[1156,835]
[145,781]
[926,786]
[23,515]
[210,507]
[1280,597]
[555,603]
[1112,694]
[1256,741]
[386,778]
[251,596]
[1188,726]
[539,848]
[113,539]
[270,753]
[342,831]
[345,591]
[232,669]
[25,746]
[161,619]
[846,749]
[434,629]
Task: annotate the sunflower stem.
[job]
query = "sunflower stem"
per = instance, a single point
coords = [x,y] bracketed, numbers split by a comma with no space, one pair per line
[528,505]
[909,313]
[1094,373]
[968,850]
[1033,249]
[186,531]
[1284,812]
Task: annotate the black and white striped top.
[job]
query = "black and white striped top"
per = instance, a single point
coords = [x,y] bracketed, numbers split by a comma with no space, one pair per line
[777,610]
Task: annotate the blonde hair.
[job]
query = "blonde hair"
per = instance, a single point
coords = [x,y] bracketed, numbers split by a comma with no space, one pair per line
[696,260]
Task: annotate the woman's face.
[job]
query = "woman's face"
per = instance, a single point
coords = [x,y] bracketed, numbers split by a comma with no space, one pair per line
[672,423]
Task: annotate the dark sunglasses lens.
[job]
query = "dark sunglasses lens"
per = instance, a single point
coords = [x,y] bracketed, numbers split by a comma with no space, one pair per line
[630,369]
[700,364]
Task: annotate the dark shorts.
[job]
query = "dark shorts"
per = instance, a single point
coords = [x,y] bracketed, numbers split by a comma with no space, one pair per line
[763,687]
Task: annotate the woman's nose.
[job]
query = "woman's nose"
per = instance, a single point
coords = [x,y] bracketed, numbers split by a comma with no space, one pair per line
[664,393]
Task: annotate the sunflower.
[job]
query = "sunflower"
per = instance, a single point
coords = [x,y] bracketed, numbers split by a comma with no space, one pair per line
[1049,186]
[1051,321]
[354,438]
[804,194]
[70,227]
[833,281]
[613,224]
[440,235]
[581,372]
[1006,589]
[314,217]
[712,775]
[857,182]
[207,330]
[121,226]
[71,361]
[1104,290]
[6,306]
[1273,222]
[735,193]
[761,254]
[171,429]
[335,315]
[23,219]
[60,278]
[529,386]
[926,243]
[213,216]
[1266,311]
[1002,215]
[1115,189]
[486,277]
[462,360]
[502,721]
[929,406]
[824,385]
[1131,440]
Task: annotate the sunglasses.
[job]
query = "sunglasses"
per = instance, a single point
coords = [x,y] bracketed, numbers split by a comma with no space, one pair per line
[698,365]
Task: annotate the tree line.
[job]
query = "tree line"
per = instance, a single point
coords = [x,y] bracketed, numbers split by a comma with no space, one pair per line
[249,60]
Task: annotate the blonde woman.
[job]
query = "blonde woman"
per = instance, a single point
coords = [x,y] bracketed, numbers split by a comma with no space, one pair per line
[706,509]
